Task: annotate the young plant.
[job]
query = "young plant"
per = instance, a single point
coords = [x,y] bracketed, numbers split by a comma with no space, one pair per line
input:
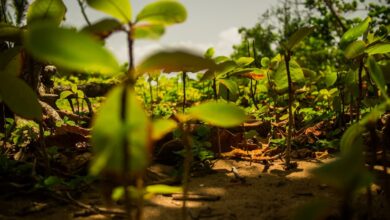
[214,113]
[289,47]
[223,78]
[123,147]
[80,52]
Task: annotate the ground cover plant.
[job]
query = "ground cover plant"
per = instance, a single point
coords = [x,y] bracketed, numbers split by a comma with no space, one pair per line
[83,136]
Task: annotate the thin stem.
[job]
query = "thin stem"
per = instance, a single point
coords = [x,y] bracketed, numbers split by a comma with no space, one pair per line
[83,12]
[187,166]
[124,112]
[5,127]
[184,90]
[290,115]
[218,129]
[130,41]
[151,95]
[215,88]
[385,146]
[253,94]
[219,142]
[360,96]
[140,203]
[42,144]
[126,155]
[329,4]
[157,90]
[373,146]
[89,105]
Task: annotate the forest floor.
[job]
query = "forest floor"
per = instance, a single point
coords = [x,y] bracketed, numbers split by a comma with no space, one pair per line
[271,194]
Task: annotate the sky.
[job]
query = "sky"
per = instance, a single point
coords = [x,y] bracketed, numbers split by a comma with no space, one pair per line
[210,23]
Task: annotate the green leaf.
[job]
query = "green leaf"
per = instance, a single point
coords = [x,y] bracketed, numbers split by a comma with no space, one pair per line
[209,53]
[65,94]
[11,61]
[265,62]
[298,36]
[110,131]
[373,116]
[378,49]
[164,12]
[284,117]
[377,76]
[162,127]
[175,61]
[245,61]
[119,9]
[135,193]
[52,181]
[46,10]
[280,75]
[355,49]
[357,31]
[80,94]
[103,28]
[228,90]
[163,189]
[230,85]
[9,32]
[218,114]
[221,59]
[330,78]
[148,31]
[352,141]
[69,49]
[208,75]
[310,74]
[225,67]
[19,97]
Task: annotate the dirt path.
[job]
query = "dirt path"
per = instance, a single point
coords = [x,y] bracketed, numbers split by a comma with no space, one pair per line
[272,195]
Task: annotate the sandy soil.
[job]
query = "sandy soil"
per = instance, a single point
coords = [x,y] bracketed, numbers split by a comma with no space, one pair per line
[275,194]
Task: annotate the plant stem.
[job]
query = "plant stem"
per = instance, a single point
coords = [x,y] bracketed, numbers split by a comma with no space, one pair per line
[83,12]
[215,88]
[385,145]
[290,115]
[157,90]
[374,142]
[184,90]
[329,4]
[140,203]
[253,94]
[126,154]
[360,96]
[42,144]
[345,209]
[4,125]
[218,129]
[123,114]
[186,168]
[151,95]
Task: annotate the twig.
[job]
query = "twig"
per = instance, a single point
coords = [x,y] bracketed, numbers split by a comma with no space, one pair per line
[195,197]
[83,12]
[92,209]
[329,4]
